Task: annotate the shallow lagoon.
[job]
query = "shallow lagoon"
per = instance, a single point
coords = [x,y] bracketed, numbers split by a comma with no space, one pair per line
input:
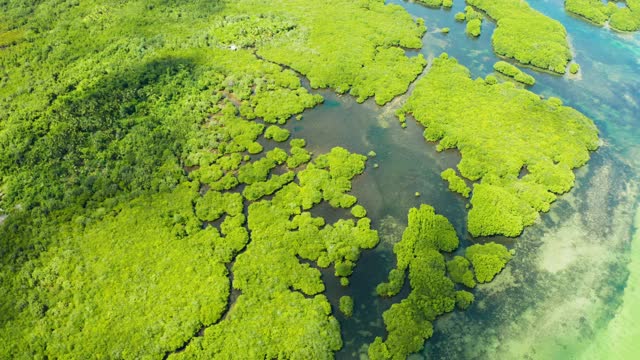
[569,292]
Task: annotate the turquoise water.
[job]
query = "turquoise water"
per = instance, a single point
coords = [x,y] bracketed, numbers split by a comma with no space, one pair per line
[570,273]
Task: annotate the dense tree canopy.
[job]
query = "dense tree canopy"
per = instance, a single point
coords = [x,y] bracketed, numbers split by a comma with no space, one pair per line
[596,11]
[145,216]
[501,130]
[526,35]
[132,173]
[433,292]
[507,69]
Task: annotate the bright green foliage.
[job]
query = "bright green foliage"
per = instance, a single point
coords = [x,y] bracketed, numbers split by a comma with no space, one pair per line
[623,19]
[227,182]
[595,10]
[213,204]
[341,163]
[394,285]
[459,271]
[437,3]
[255,171]
[283,325]
[487,260]
[507,69]
[358,211]
[359,50]
[371,153]
[118,115]
[259,189]
[471,14]
[117,287]
[277,106]
[456,183]
[491,80]
[277,155]
[474,27]
[464,299]
[276,133]
[431,3]
[280,312]
[499,130]
[460,16]
[378,68]
[627,19]
[574,68]
[346,305]
[297,143]
[298,157]
[408,323]
[526,35]
[445,30]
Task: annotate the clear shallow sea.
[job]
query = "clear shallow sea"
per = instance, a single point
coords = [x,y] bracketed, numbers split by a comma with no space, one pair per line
[571,291]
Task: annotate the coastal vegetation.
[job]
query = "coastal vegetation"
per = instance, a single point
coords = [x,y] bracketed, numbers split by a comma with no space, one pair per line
[346,305]
[433,291]
[140,207]
[501,132]
[526,35]
[574,68]
[625,18]
[456,183]
[509,70]
[473,27]
[151,206]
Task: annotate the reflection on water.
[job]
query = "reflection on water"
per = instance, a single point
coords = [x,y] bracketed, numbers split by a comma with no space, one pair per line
[571,275]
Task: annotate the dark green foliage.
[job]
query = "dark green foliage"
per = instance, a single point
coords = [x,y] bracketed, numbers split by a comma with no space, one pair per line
[459,112]
[487,260]
[464,299]
[507,69]
[346,305]
[527,35]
